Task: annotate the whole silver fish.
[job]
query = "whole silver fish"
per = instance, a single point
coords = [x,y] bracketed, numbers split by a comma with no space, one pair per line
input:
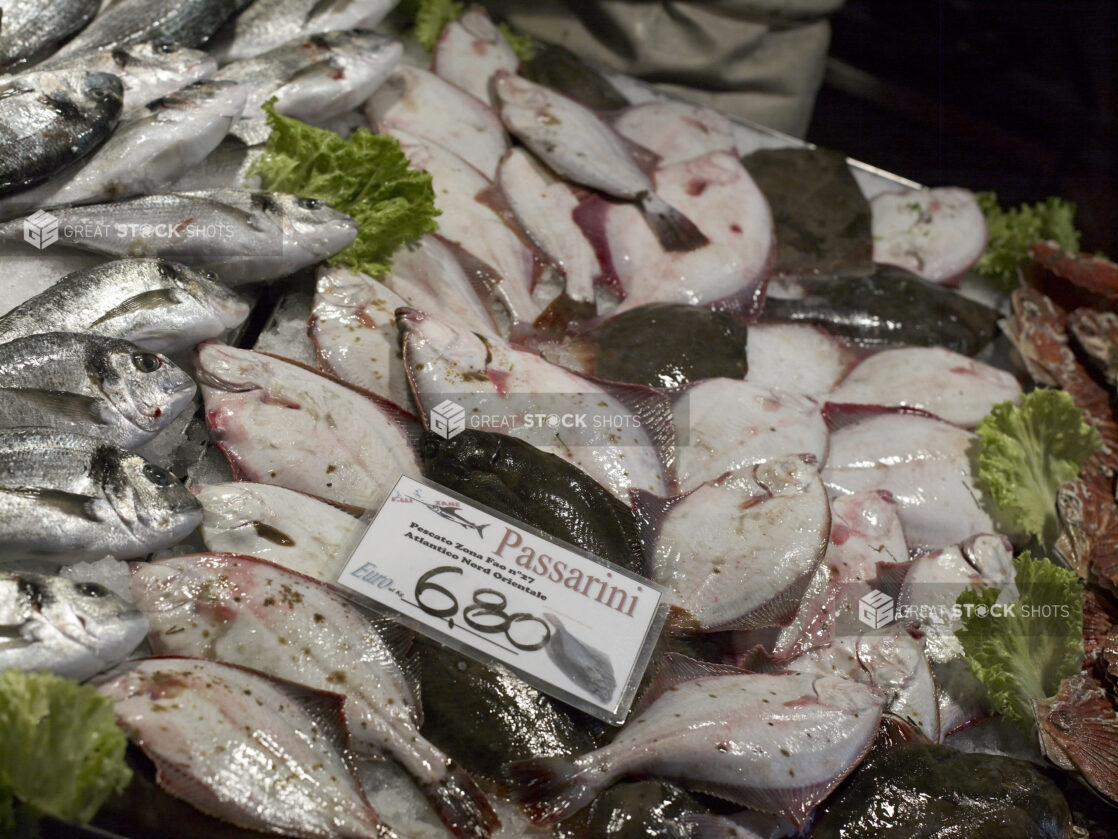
[159,305]
[64,627]
[250,612]
[147,154]
[778,743]
[578,145]
[30,28]
[68,498]
[187,22]
[50,119]
[147,70]
[258,753]
[101,387]
[313,79]
[268,23]
[245,236]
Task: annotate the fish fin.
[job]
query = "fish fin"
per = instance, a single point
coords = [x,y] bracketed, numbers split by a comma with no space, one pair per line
[891,576]
[67,503]
[650,511]
[462,806]
[590,216]
[654,410]
[399,640]
[146,300]
[710,826]
[839,415]
[675,669]
[674,231]
[322,7]
[73,406]
[553,788]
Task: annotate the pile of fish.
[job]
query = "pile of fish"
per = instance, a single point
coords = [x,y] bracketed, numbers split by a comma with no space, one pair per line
[791,388]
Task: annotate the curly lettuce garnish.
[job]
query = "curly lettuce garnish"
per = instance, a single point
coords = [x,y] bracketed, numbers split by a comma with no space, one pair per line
[1021,651]
[1026,451]
[1009,233]
[366,177]
[62,752]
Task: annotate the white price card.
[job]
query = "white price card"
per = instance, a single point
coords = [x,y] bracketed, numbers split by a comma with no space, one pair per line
[573,625]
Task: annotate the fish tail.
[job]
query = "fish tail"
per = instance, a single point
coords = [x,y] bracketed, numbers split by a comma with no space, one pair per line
[480,527]
[553,788]
[674,231]
[462,806]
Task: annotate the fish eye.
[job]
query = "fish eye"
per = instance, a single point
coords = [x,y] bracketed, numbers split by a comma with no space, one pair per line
[92,590]
[146,362]
[158,475]
[309,203]
[166,49]
[210,275]
[100,93]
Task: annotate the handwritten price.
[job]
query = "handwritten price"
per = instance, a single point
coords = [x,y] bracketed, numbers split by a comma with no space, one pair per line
[486,613]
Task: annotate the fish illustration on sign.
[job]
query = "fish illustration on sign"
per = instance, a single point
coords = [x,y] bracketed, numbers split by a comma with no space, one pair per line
[453,514]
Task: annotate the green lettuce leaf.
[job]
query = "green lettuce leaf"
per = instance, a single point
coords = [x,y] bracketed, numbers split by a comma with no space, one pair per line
[524,45]
[1024,654]
[1009,232]
[1026,452]
[367,177]
[62,753]
[431,17]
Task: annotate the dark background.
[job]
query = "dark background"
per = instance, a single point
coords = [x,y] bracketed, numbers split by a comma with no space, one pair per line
[1018,97]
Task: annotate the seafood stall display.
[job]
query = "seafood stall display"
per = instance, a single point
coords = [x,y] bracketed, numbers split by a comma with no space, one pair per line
[849,456]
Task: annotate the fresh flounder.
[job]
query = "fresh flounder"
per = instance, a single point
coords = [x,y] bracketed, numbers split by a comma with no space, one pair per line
[622,440]
[796,357]
[312,79]
[936,233]
[890,306]
[675,131]
[252,613]
[31,28]
[779,744]
[509,266]
[923,462]
[147,154]
[244,235]
[470,52]
[252,751]
[67,498]
[64,627]
[945,383]
[102,387]
[716,551]
[353,327]
[865,533]
[730,268]
[423,104]
[723,425]
[267,24]
[578,145]
[50,119]
[281,423]
[158,305]
[540,489]
[289,528]
[147,70]
[432,275]
[545,206]
[187,22]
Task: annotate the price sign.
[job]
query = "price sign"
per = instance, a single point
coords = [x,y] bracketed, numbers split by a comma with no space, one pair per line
[573,625]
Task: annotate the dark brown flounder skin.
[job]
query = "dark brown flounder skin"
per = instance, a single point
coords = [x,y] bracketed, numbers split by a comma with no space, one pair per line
[635,810]
[539,489]
[822,218]
[485,717]
[889,307]
[920,791]
[564,72]
[665,345]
